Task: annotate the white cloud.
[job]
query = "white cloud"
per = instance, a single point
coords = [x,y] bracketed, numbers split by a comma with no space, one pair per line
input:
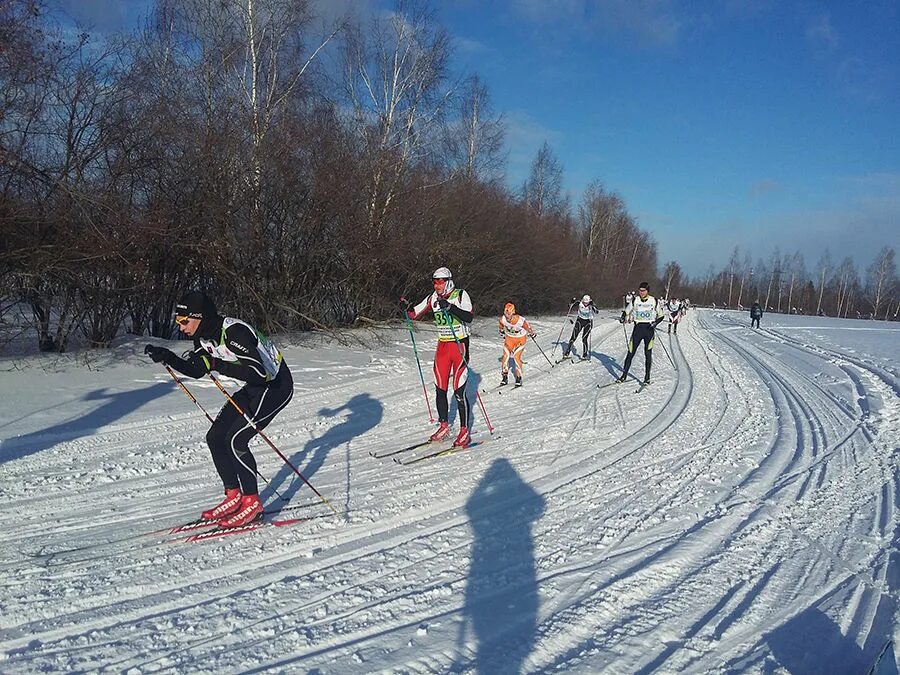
[821,34]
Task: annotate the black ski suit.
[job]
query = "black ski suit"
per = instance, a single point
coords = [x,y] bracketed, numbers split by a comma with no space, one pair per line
[235,349]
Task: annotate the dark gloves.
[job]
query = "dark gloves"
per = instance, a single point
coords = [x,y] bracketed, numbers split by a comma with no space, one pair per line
[159,354]
[200,362]
[622,318]
[658,321]
[443,303]
[533,335]
[574,301]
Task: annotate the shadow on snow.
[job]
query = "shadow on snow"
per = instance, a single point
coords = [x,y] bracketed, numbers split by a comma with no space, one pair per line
[501,600]
[115,406]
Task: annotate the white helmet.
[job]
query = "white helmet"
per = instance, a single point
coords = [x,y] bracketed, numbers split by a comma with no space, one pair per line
[444,273]
[586,300]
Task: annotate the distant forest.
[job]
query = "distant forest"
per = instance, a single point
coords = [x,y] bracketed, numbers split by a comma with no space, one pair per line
[784,283]
[304,171]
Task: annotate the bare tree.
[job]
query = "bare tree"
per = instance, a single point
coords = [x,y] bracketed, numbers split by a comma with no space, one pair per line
[733,263]
[881,279]
[393,77]
[823,267]
[672,278]
[474,140]
[746,270]
[543,190]
[775,267]
[797,270]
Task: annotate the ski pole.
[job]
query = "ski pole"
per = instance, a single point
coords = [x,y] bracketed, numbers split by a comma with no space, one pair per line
[266,439]
[667,354]
[197,403]
[462,353]
[559,337]
[185,390]
[541,351]
[412,337]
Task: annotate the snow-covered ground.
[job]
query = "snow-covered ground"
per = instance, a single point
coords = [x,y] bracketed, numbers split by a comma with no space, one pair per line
[738,515]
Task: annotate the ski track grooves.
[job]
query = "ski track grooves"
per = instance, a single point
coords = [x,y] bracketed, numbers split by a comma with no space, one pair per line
[710,515]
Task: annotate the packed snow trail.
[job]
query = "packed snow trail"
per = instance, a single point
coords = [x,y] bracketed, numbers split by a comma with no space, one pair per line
[739,514]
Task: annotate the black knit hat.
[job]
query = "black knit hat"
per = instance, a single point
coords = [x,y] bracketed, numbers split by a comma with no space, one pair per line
[196,305]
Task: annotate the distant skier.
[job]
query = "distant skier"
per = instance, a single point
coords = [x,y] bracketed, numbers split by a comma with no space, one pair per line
[646,313]
[584,322]
[674,309]
[755,314]
[515,331]
[452,310]
[235,349]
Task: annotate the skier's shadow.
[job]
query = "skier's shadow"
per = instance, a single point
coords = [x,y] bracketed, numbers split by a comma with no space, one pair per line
[365,413]
[501,600]
[811,642]
[611,365]
[116,406]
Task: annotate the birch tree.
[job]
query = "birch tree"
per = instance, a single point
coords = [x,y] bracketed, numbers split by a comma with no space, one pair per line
[881,280]
[395,72]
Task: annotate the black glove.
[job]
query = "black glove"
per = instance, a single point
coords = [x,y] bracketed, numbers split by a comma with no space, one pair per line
[443,303]
[574,301]
[533,335]
[622,318]
[658,321]
[158,354]
[405,305]
[199,361]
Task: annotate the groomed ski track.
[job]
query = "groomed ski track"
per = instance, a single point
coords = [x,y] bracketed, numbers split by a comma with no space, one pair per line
[740,514]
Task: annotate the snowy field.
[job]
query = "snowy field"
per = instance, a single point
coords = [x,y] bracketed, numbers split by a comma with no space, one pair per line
[738,515]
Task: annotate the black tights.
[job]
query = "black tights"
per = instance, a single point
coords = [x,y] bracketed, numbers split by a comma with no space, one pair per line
[229,436]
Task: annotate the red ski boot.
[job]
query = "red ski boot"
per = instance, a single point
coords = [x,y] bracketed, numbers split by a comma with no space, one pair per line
[230,504]
[250,509]
[442,432]
[463,440]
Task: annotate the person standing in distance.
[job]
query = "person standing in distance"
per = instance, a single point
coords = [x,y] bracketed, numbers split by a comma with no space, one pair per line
[237,350]
[452,310]
[646,313]
[755,314]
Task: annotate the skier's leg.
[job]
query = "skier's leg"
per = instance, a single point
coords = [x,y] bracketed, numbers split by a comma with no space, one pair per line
[518,353]
[460,377]
[630,355]
[261,404]
[588,326]
[218,439]
[441,371]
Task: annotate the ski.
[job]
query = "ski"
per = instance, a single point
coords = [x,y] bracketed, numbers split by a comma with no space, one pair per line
[397,451]
[200,523]
[442,452]
[641,388]
[498,388]
[50,556]
[249,527]
[608,384]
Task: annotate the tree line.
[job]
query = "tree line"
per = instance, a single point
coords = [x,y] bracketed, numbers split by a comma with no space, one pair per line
[784,283]
[304,172]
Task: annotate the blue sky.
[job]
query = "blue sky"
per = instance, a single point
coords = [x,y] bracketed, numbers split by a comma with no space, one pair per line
[757,123]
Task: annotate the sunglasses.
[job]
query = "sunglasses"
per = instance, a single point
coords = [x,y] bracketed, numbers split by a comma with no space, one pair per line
[182,320]
[439,282]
